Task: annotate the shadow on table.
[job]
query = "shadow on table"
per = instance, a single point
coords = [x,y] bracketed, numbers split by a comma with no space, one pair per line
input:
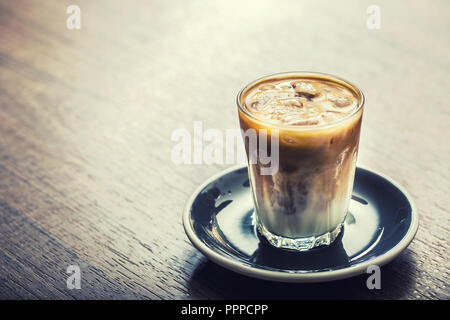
[397,282]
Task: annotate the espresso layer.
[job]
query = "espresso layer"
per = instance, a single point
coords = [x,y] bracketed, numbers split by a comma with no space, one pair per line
[299,101]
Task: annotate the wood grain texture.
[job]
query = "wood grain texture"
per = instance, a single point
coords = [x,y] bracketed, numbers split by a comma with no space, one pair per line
[86,118]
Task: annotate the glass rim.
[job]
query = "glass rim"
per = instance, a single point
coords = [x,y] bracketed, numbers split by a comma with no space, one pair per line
[311,74]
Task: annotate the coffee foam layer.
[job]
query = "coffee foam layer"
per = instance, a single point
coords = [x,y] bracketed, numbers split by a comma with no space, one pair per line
[299,101]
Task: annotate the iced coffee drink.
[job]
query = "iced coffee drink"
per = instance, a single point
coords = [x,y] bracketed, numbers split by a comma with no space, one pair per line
[317,118]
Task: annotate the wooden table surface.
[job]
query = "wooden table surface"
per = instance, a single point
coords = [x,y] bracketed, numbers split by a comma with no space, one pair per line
[86,118]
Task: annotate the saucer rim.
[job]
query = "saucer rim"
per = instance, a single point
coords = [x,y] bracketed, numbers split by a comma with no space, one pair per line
[307,277]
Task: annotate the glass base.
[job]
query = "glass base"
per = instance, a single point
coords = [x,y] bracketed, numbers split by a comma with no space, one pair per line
[298,244]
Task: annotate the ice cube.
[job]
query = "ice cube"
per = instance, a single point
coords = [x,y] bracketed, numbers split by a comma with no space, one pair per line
[265,87]
[303,122]
[340,102]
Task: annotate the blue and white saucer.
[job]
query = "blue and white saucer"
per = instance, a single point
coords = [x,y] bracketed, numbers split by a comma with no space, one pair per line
[381,222]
